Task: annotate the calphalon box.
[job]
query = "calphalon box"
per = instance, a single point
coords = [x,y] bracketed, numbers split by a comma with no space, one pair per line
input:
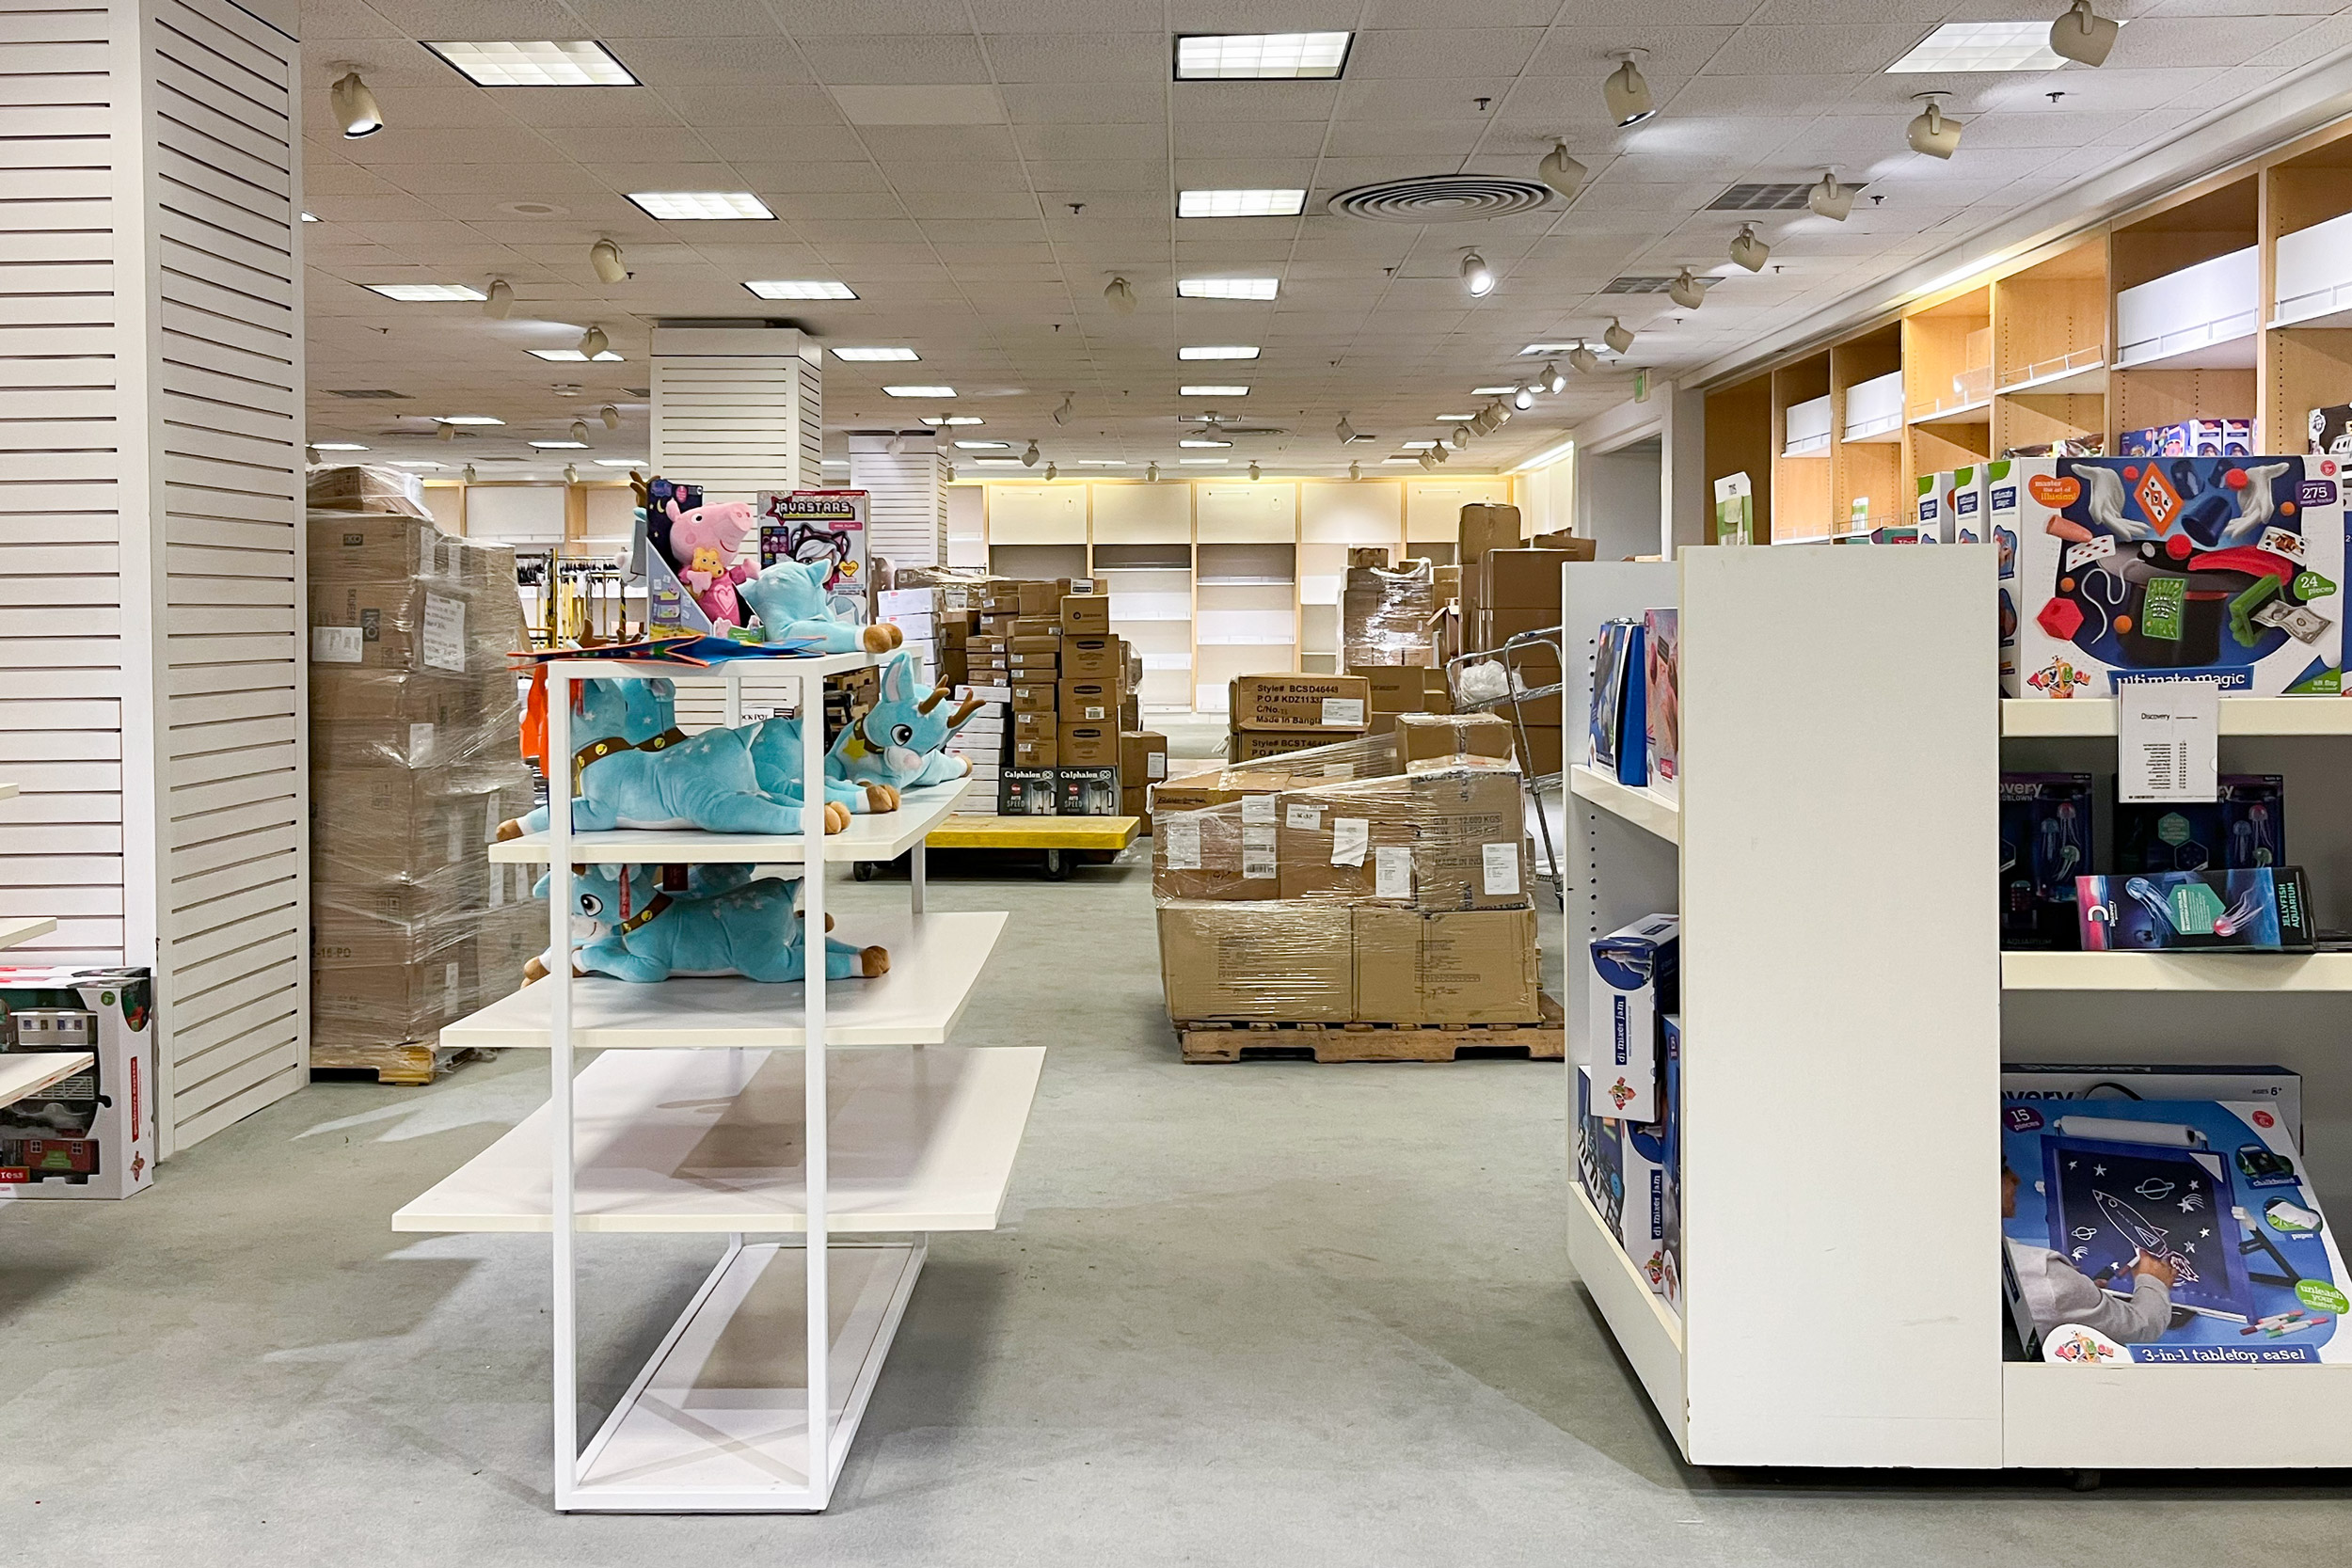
[1085,791]
[1333,704]
[91,1134]
[1460,966]
[1027,792]
[1280,962]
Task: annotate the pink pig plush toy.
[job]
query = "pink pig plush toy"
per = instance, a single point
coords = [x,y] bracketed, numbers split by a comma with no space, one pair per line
[705,541]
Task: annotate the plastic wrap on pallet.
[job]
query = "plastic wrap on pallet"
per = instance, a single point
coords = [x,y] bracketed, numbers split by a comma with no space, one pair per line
[965,586]
[1277,961]
[360,487]
[1385,616]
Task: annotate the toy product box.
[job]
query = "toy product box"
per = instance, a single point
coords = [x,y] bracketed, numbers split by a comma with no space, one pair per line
[2045,843]
[1634,981]
[1661,716]
[1619,667]
[2267,910]
[2331,431]
[1599,1153]
[2190,438]
[91,1134]
[2165,1232]
[2202,566]
[2243,828]
[2277,1088]
[1652,1225]
[1951,506]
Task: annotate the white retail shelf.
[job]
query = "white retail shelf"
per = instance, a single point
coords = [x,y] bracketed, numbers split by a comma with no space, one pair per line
[754,666]
[2311,278]
[14,931]
[2060,377]
[2203,317]
[29,1072]
[935,961]
[718,1420]
[1647,1329]
[2235,972]
[2132,1418]
[1652,813]
[877,836]
[1961,411]
[2095,716]
[710,1141]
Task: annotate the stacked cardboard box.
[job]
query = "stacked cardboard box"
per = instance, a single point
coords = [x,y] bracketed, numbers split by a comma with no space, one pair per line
[936,632]
[1518,590]
[1386,616]
[1142,762]
[1376,880]
[1068,679]
[1400,689]
[415,761]
[1272,714]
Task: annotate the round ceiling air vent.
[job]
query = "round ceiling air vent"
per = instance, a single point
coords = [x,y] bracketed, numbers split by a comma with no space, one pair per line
[1441,198]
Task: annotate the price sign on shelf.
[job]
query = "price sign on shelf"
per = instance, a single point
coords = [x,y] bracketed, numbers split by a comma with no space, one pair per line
[2168,739]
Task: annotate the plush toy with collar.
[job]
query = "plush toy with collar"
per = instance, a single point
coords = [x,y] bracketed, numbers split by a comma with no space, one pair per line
[789,600]
[640,933]
[900,741]
[628,773]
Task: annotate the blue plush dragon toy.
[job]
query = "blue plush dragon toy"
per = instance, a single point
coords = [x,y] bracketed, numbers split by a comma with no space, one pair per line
[788,597]
[724,925]
[899,743]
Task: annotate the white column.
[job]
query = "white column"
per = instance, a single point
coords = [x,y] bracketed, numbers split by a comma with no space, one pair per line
[152,673]
[905,478]
[737,409]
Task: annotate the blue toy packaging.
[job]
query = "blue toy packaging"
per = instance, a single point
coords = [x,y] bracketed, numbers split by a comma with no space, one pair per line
[2247,912]
[2190,438]
[1599,1155]
[2164,1232]
[1662,713]
[2045,843]
[1617,723]
[2230,567]
[2243,829]
[2278,1088]
[1634,984]
[1652,1225]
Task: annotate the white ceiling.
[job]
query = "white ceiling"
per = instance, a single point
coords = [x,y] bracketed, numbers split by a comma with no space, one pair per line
[961,243]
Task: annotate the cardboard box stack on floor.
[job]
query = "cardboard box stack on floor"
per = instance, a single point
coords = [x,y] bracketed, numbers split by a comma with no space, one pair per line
[415,760]
[1272,714]
[938,627]
[1517,590]
[1400,689]
[1386,616]
[1379,880]
[1070,685]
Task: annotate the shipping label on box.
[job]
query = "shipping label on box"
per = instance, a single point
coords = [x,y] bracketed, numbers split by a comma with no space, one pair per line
[1634,981]
[1299,702]
[92,1133]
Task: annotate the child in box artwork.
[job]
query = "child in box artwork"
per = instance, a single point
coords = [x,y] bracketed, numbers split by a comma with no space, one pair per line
[2057,1293]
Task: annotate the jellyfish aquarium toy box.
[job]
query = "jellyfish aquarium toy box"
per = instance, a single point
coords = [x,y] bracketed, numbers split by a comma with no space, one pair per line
[2266,910]
[2222,567]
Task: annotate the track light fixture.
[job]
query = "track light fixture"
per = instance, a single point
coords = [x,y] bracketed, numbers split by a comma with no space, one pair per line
[1120,296]
[1583,358]
[1686,290]
[1749,251]
[1427,460]
[1254,474]
[1028,459]
[1344,431]
[579,429]
[2082,35]
[1442,452]
[606,258]
[1552,381]
[310,455]
[1628,94]
[466,473]
[1354,470]
[571,473]
[1560,171]
[1461,436]
[1069,406]
[610,416]
[1051,473]
[1502,412]
[446,433]
[593,343]
[1478,278]
[354,107]
[1619,339]
[950,470]
[498,300]
[1931,134]
[1829,199]
[1523,398]
[1151,473]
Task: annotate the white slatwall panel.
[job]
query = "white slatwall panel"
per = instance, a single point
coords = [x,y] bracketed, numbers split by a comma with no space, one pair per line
[235,900]
[907,506]
[150,376]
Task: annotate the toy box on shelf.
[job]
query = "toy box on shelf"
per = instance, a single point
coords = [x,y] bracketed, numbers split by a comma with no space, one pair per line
[91,1134]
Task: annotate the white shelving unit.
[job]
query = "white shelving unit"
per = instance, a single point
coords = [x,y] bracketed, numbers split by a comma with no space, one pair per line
[2312,277]
[24,1074]
[1797,976]
[731,1107]
[1808,428]
[1874,409]
[2204,317]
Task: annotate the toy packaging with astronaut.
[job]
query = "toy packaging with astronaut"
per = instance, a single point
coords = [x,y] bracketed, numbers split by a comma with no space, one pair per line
[2268,910]
[2108,1203]
[2231,567]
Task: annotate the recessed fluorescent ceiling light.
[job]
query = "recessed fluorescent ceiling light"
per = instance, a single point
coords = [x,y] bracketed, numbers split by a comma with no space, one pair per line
[769,288]
[1213,351]
[338,445]
[1456,419]
[1204,443]
[680,205]
[873,356]
[1385,461]
[1983,46]
[1492,391]
[1202,462]
[310,217]
[920,391]
[983,446]
[623,463]
[1260,57]
[1417,446]
[1102,461]
[1212,391]
[418,293]
[584,64]
[952,419]
[1226,288]
[467,419]
[561,446]
[605,358]
[1240,204]
[997,462]
[413,463]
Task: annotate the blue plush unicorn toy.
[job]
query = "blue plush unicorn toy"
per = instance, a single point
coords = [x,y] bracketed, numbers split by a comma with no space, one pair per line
[895,745]
[788,597]
[634,767]
[640,933]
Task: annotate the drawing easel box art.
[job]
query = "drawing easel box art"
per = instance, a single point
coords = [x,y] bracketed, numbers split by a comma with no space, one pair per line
[2152,1232]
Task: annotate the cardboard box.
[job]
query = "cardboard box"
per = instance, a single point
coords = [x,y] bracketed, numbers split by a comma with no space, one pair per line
[1037,754]
[1221,852]
[1090,655]
[1036,726]
[1526,580]
[1633,981]
[90,1136]
[1332,704]
[1034,696]
[1089,745]
[892,603]
[1542,751]
[1085,614]
[1142,758]
[404,626]
[1427,841]
[1259,745]
[1043,600]
[1027,792]
[1456,967]
[1091,700]
[1486,528]
[1430,740]
[1367,556]
[1405,689]
[1135,800]
[1285,962]
[355,487]
[1087,791]
[1028,643]
[1215,788]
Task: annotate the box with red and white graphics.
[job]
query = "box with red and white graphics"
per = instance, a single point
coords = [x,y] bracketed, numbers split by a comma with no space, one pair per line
[91,1133]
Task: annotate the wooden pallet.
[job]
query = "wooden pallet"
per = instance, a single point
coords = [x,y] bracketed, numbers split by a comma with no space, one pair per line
[1376,1042]
[413,1064]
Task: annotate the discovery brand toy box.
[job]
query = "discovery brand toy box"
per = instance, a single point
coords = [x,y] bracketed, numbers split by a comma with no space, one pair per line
[2228,567]
[91,1134]
[2242,827]
[2212,1191]
[1632,984]
[2263,910]
[2046,844]
[1599,1154]
[2278,1088]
